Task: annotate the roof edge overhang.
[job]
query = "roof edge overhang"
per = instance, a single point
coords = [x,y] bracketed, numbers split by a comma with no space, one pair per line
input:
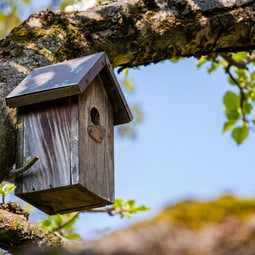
[99,64]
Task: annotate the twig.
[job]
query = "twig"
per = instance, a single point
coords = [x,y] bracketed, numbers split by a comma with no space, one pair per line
[20,170]
[66,222]
[250,58]
[110,210]
[232,62]
[242,95]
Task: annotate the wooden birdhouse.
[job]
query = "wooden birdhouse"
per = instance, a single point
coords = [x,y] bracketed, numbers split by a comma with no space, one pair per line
[66,114]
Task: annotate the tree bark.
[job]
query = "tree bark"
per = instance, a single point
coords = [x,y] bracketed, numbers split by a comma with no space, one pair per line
[17,234]
[132,33]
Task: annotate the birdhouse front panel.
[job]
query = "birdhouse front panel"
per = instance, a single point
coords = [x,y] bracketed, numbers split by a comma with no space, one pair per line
[96,141]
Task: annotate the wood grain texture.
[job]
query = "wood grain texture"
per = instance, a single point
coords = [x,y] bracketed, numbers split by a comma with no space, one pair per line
[64,199]
[47,134]
[74,172]
[96,159]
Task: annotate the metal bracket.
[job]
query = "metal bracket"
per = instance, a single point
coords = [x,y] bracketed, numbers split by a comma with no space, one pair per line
[97,133]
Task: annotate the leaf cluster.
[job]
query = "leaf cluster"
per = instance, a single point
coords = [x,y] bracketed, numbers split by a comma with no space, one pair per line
[62,224]
[238,102]
[126,208]
[65,224]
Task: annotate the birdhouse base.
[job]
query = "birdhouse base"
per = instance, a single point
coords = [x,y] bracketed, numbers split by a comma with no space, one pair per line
[61,200]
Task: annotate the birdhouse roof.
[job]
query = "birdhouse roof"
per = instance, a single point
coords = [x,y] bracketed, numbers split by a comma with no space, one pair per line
[70,78]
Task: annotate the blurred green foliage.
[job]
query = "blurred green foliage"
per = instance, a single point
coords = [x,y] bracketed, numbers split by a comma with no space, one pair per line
[126,208]
[130,130]
[195,214]
[62,224]
[9,16]
[5,189]
[65,224]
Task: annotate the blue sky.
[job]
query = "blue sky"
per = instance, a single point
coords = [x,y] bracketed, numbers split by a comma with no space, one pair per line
[180,151]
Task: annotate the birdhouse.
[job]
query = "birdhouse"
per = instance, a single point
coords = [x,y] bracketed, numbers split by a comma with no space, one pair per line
[66,115]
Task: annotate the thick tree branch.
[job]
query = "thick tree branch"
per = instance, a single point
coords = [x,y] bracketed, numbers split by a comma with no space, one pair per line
[16,233]
[134,34]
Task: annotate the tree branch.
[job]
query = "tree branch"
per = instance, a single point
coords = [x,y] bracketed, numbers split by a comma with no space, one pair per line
[14,172]
[17,233]
[76,215]
[242,94]
[232,62]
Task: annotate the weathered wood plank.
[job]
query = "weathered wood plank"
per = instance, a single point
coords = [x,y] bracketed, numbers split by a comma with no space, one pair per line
[74,167]
[96,159]
[74,171]
[47,134]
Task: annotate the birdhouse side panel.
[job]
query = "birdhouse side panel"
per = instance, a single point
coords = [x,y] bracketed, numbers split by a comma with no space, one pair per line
[46,131]
[96,141]
[75,140]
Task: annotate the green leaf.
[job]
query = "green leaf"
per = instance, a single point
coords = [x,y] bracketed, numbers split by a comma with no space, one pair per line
[247,107]
[125,73]
[212,68]
[229,124]
[138,115]
[1,189]
[174,60]
[240,134]
[232,114]
[231,100]
[46,223]
[128,85]
[252,75]
[118,203]
[240,55]
[73,236]
[201,61]
[128,207]
[58,219]
[8,188]
[241,76]
[223,63]
[252,95]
